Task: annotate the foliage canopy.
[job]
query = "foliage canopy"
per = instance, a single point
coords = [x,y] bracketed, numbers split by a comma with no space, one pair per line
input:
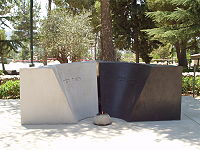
[66,35]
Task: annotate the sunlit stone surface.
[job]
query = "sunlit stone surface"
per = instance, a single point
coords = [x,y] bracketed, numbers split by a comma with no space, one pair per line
[56,94]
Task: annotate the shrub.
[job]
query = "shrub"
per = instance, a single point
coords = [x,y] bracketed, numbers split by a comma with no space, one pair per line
[4,80]
[1,72]
[187,85]
[10,90]
[190,70]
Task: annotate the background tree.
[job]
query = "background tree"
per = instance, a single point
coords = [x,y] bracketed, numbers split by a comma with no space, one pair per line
[64,35]
[194,45]
[128,21]
[79,6]
[3,48]
[6,46]
[75,6]
[6,17]
[22,25]
[107,48]
[163,51]
[5,8]
[48,14]
[100,19]
[177,23]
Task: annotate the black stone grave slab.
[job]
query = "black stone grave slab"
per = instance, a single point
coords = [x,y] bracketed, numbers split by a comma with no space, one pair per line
[140,92]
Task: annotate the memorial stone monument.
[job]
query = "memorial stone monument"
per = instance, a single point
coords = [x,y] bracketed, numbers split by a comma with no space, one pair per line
[64,93]
[67,93]
[140,92]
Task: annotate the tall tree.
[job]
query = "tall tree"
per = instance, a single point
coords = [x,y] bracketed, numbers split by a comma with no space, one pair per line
[75,6]
[128,21]
[62,35]
[107,48]
[49,6]
[80,6]
[177,23]
[48,15]
[31,32]
[6,46]
[3,48]
[22,25]
[5,8]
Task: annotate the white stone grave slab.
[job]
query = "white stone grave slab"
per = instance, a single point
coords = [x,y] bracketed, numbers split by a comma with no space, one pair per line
[64,93]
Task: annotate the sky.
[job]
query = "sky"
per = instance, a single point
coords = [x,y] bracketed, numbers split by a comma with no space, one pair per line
[43,7]
[43,3]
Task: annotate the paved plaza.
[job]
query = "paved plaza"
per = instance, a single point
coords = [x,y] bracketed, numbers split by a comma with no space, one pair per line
[158,135]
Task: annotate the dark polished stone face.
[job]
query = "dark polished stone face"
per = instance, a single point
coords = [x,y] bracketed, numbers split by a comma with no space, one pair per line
[139,92]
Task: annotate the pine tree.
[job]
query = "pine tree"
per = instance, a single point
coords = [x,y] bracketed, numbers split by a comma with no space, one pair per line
[177,23]
[6,46]
[5,8]
[128,21]
[107,48]
[22,25]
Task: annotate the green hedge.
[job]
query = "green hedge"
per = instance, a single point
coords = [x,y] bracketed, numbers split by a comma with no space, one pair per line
[4,80]
[187,85]
[10,90]
[190,70]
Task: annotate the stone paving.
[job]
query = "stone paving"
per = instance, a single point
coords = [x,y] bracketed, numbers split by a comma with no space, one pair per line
[158,135]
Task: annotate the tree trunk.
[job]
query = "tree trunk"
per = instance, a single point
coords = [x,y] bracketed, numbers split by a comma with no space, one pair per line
[136,46]
[95,46]
[181,53]
[2,62]
[49,6]
[48,14]
[45,57]
[75,58]
[136,32]
[62,60]
[183,57]
[107,47]
[31,32]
